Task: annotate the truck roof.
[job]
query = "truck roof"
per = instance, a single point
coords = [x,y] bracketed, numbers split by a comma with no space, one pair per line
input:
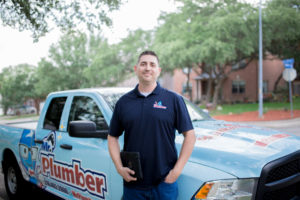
[103,90]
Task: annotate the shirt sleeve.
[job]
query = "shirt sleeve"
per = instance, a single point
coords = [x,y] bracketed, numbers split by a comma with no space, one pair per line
[183,121]
[115,127]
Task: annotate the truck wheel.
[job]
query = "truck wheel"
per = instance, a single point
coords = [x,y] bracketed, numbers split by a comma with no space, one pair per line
[15,184]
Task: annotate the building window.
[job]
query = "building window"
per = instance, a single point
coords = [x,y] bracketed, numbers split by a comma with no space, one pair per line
[240,65]
[185,88]
[238,87]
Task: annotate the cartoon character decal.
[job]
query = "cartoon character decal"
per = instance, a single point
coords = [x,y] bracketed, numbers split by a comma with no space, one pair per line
[28,154]
[48,145]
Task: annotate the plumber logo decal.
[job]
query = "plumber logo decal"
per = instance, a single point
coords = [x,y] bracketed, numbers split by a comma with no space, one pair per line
[73,175]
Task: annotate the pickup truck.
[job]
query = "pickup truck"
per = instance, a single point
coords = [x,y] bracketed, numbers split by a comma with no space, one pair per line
[67,154]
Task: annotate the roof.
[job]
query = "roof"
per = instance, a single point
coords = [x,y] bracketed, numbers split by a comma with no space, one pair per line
[205,76]
[104,90]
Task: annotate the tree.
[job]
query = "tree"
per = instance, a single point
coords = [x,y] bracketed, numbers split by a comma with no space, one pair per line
[111,63]
[105,65]
[47,80]
[208,33]
[131,46]
[40,16]
[281,27]
[70,56]
[16,85]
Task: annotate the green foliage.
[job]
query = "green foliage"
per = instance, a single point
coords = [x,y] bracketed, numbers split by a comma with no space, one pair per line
[281,29]
[70,56]
[210,34]
[205,31]
[16,85]
[105,66]
[131,46]
[47,79]
[247,107]
[38,16]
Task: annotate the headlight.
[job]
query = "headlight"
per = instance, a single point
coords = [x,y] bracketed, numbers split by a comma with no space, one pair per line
[233,189]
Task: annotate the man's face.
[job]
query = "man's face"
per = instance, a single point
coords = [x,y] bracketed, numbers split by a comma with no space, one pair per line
[147,69]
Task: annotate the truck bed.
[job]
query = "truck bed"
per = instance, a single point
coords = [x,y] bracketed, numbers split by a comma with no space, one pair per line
[32,124]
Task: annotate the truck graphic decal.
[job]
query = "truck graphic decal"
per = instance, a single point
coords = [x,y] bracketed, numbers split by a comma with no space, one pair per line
[73,175]
[49,142]
[270,139]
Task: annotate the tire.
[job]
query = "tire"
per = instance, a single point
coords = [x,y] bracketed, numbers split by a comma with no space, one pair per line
[15,185]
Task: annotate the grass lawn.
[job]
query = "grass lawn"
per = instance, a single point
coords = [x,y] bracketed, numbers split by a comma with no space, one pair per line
[246,107]
[19,116]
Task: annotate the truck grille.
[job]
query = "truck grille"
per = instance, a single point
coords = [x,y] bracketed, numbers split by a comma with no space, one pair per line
[280,179]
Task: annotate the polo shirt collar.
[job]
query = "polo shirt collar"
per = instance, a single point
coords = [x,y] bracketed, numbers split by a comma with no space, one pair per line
[155,91]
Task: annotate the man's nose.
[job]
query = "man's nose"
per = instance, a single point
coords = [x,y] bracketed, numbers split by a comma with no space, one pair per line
[148,66]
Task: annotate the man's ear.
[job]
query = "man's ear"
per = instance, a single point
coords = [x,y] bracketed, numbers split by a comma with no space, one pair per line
[135,68]
[159,71]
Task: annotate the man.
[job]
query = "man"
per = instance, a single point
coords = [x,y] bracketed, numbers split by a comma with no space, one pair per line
[149,115]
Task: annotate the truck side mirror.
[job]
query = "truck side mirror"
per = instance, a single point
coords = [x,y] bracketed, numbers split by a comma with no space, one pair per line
[86,129]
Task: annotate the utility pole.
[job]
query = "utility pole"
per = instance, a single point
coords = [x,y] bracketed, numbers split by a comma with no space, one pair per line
[260,71]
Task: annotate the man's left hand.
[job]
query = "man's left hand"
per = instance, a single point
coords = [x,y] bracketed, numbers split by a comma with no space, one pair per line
[171,177]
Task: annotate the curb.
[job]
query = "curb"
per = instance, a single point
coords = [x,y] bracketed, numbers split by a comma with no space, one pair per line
[277,123]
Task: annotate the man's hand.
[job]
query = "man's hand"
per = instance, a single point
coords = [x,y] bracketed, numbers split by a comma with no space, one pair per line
[171,177]
[185,152]
[126,173]
[114,150]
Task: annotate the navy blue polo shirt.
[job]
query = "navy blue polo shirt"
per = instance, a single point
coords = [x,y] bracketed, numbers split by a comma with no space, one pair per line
[149,124]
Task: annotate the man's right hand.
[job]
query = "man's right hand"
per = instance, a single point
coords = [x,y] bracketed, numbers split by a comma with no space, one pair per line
[126,173]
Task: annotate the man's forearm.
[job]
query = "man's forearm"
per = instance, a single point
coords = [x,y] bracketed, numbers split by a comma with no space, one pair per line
[185,153]
[114,151]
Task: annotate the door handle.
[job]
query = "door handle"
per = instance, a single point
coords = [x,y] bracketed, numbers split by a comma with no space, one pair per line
[66,146]
[38,141]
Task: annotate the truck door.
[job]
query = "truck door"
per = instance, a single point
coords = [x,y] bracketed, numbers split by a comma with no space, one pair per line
[87,157]
[48,169]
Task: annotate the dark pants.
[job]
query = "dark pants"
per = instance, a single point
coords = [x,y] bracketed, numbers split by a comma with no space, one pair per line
[164,191]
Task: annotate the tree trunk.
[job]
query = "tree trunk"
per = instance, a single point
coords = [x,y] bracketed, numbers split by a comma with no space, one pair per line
[217,92]
[209,88]
[276,83]
[37,105]
[189,90]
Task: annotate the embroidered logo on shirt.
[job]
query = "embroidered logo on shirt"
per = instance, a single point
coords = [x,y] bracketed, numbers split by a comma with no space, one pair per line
[159,105]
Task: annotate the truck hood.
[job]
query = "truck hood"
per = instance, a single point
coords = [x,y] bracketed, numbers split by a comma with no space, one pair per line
[241,150]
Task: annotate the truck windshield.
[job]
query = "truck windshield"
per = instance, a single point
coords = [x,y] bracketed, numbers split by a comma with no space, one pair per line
[195,112]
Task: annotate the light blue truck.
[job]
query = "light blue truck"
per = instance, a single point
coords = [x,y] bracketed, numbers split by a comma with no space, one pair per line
[66,154]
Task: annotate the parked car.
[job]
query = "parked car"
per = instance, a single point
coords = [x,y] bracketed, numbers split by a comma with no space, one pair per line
[21,110]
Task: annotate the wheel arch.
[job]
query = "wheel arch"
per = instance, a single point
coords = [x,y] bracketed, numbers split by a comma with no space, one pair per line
[8,156]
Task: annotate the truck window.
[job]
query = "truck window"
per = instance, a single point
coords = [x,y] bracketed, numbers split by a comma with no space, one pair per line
[54,113]
[85,108]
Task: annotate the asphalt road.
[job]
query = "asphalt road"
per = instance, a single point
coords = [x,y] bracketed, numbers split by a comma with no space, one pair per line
[37,193]
[286,126]
[3,195]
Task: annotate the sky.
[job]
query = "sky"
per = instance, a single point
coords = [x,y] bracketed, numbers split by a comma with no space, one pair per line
[18,47]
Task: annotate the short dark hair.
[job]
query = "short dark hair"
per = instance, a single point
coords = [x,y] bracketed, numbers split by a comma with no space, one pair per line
[148,52]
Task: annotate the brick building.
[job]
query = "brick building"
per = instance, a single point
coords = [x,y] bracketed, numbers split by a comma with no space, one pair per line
[240,86]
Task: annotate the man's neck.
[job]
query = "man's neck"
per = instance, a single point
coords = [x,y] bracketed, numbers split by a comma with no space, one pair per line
[147,87]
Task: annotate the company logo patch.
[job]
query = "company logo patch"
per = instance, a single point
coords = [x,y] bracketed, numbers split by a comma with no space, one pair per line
[49,142]
[159,105]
